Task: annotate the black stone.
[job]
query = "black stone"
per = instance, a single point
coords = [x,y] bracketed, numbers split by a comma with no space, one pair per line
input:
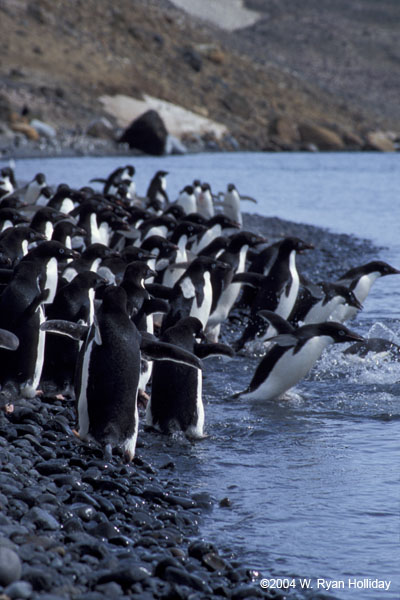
[147,133]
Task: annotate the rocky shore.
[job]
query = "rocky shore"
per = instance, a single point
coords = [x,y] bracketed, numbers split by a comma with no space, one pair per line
[242,88]
[73,525]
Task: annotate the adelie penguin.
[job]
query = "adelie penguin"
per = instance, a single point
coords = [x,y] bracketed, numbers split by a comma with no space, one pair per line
[293,354]
[178,405]
[108,373]
[21,313]
[277,291]
[361,279]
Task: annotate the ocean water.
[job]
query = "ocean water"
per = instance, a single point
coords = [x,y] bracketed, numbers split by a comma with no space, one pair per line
[313,481]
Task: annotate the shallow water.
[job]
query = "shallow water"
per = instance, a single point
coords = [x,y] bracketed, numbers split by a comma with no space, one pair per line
[312,480]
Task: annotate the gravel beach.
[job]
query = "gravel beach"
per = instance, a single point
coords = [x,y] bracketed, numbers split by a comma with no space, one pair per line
[75,526]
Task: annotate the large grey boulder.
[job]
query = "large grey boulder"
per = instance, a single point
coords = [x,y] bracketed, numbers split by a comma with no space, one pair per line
[147,133]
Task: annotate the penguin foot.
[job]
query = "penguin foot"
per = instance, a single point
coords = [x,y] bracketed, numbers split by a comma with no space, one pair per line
[8,408]
[60,397]
[76,434]
[39,393]
[143,399]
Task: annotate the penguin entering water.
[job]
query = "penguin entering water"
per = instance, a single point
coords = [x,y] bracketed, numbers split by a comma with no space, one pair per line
[179,404]
[108,373]
[277,291]
[293,355]
[360,281]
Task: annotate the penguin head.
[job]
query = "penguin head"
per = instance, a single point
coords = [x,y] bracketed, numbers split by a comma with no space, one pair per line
[382,268]
[52,249]
[131,253]
[339,333]
[289,244]
[138,271]
[176,211]
[244,238]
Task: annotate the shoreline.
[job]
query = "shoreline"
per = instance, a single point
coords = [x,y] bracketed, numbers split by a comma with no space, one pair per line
[88,529]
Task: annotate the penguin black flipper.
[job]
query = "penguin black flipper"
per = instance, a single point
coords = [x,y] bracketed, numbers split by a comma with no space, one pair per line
[281,325]
[155,350]
[76,331]
[32,308]
[8,340]
[160,291]
[205,350]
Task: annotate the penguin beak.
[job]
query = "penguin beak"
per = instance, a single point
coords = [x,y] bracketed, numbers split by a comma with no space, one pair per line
[150,273]
[355,302]
[305,246]
[352,336]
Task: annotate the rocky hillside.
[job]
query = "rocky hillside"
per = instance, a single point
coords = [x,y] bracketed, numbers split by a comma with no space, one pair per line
[294,80]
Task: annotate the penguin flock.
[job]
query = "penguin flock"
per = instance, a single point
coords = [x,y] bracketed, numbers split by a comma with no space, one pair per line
[115,300]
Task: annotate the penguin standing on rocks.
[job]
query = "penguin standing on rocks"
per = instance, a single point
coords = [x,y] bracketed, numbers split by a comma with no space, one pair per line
[293,354]
[179,405]
[187,200]
[21,313]
[108,373]
[34,187]
[231,204]
[73,302]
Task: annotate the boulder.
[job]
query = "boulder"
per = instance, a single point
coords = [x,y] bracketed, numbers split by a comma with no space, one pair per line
[101,128]
[28,131]
[352,140]
[380,140]
[284,131]
[147,133]
[322,137]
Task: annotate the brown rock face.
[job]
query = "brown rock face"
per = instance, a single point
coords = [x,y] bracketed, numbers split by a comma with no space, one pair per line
[284,131]
[379,140]
[322,137]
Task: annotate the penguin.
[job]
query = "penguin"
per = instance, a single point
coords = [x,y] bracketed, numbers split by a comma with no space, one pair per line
[107,379]
[47,256]
[181,235]
[216,247]
[204,201]
[7,182]
[215,227]
[157,189]
[89,260]
[225,292]
[74,302]
[192,294]
[187,200]
[44,196]
[374,344]
[21,312]
[118,176]
[162,225]
[44,219]
[316,303]
[260,262]
[8,341]
[65,199]
[10,217]
[360,279]
[276,292]
[64,231]
[231,204]
[292,355]
[107,223]
[14,243]
[179,404]
[34,188]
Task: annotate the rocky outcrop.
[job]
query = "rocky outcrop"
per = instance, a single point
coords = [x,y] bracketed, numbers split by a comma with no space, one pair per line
[147,133]
[381,141]
[320,137]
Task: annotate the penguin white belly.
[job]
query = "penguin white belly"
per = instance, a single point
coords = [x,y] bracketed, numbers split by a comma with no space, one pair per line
[66,206]
[207,238]
[29,388]
[320,312]
[105,233]
[6,225]
[51,279]
[361,291]
[83,413]
[202,312]
[289,370]
[172,275]
[229,295]
[196,430]
[48,231]
[95,237]
[130,443]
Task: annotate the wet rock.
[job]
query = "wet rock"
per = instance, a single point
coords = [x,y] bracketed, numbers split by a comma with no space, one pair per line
[181,577]
[322,137]
[246,591]
[147,133]
[127,575]
[40,579]
[52,467]
[10,566]
[19,589]
[41,519]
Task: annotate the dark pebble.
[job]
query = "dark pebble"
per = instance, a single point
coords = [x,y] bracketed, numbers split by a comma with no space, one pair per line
[10,566]
[19,589]
[181,577]
[126,575]
[52,467]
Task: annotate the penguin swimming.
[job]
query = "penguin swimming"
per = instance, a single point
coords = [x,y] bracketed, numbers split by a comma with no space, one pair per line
[293,354]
